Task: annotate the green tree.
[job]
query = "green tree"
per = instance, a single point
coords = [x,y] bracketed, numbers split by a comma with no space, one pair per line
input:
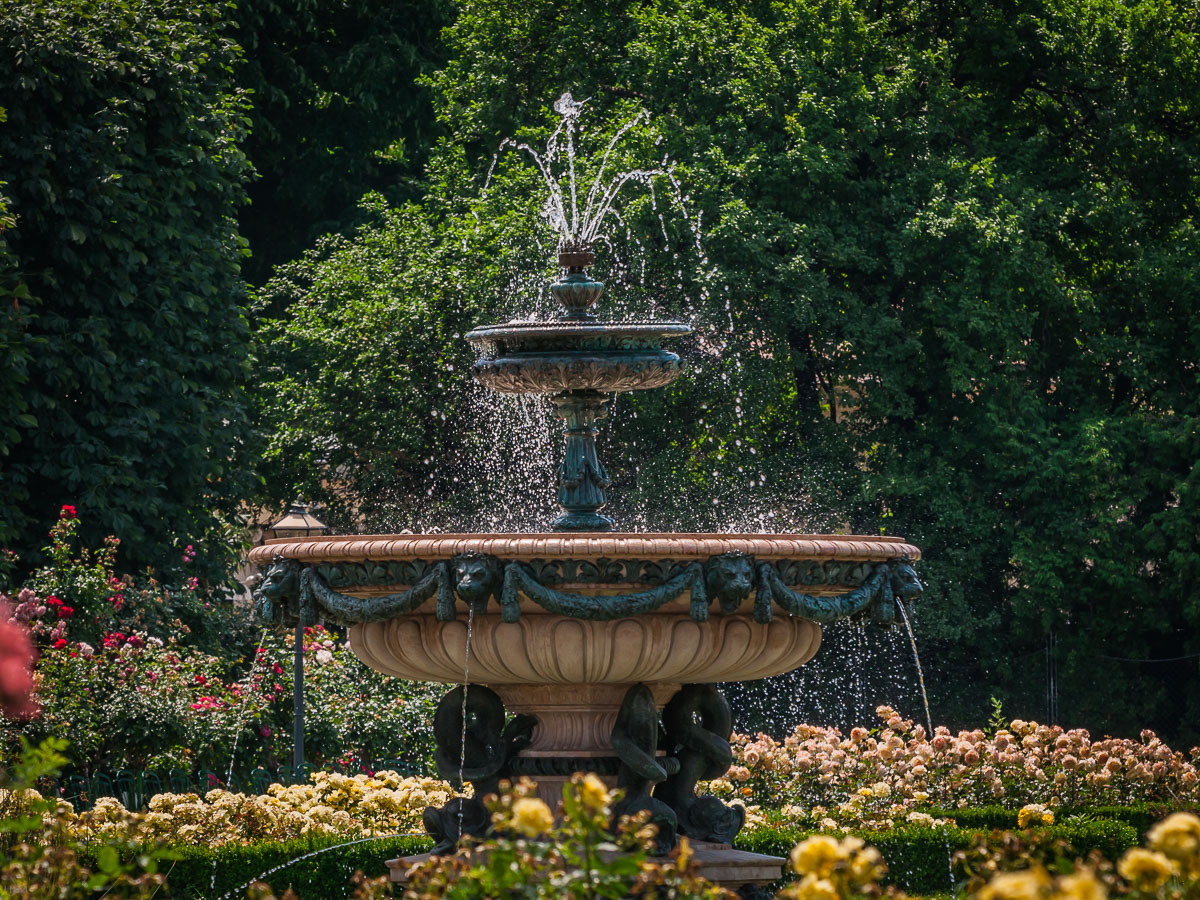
[14,341]
[950,293]
[336,112]
[124,175]
[350,392]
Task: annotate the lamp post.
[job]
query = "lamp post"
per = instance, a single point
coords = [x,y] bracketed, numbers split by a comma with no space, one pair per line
[298,522]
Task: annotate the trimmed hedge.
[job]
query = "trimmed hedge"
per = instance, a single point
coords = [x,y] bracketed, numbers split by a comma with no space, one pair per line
[918,858]
[323,876]
[1141,815]
[988,818]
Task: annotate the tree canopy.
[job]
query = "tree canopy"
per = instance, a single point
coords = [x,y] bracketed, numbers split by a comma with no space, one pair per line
[946,287]
[336,111]
[951,284]
[124,304]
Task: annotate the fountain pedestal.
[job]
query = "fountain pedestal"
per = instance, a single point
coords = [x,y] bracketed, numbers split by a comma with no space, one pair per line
[582,480]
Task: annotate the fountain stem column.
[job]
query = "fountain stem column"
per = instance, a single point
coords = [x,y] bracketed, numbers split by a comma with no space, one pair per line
[582,479]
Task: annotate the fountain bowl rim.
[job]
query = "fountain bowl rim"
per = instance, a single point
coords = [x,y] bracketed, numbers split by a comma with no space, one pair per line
[569,328]
[592,545]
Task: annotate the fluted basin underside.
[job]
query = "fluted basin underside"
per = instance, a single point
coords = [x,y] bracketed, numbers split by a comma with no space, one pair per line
[549,649]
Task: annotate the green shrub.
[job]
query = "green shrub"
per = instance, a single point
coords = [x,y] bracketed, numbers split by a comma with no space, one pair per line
[1140,815]
[918,857]
[985,817]
[325,875]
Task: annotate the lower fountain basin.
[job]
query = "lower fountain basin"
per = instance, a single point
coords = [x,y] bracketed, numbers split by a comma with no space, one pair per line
[562,630]
[720,637]
[572,674]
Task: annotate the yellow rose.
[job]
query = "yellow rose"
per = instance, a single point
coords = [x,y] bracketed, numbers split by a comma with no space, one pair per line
[1147,870]
[866,866]
[531,816]
[1028,884]
[1178,837]
[1034,814]
[1082,885]
[817,855]
[810,887]
[593,793]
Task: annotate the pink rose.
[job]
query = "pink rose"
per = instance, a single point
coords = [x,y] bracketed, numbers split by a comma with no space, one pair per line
[16,668]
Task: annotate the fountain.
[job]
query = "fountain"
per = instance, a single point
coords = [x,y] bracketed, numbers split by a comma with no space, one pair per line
[585,649]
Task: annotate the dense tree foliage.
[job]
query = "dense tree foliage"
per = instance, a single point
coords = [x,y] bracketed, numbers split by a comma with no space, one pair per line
[950,293]
[123,300]
[336,111]
[947,289]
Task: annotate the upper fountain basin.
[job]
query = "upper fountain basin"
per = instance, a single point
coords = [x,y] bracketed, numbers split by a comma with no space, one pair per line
[574,355]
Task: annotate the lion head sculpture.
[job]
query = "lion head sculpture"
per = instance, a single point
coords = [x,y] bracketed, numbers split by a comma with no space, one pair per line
[729,578]
[477,577]
[905,584]
[901,584]
[277,594]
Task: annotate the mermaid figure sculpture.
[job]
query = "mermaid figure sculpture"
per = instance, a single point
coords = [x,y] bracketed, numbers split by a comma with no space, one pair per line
[472,744]
[698,724]
[635,739]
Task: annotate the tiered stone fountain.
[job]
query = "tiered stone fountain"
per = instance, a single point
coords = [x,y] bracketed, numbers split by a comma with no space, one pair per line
[586,649]
[603,646]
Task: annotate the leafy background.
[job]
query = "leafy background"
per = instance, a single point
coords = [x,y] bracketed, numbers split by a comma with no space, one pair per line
[948,291]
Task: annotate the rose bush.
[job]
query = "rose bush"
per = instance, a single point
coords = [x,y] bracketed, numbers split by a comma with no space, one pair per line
[882,776]
[42,855]
[534,855]
[136,701]
[79,597]
[16,667]
[328,804]
[141,675]
[1166,868]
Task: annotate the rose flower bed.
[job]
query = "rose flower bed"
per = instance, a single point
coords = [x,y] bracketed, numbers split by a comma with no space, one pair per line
[137,675]
[899,773]
[330,804]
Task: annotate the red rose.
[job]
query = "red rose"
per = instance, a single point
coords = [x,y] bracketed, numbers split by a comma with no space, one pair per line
[16,668]
[67,512]
[65,612]
[61,642]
